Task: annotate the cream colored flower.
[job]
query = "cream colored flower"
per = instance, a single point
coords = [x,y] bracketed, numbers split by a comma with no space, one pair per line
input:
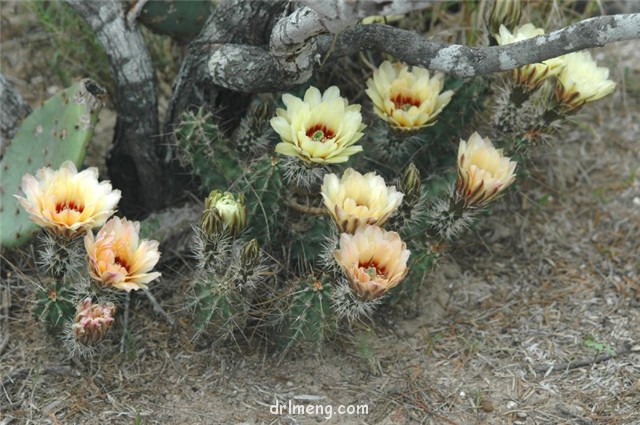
[582,80]
[373,260]
[68,201]
[504,12]
[92,321]
[356,200]
[533,75]
[118,259]
[223,212]
[407,100]
[321,128]
[483,171]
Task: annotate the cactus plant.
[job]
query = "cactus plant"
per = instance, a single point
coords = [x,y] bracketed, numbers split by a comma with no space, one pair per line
[177,19]
[59,130]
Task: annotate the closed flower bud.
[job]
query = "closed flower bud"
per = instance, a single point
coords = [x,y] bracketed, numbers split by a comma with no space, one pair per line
[250,254]
[504,12]
[410,184]
[92,321]
[224,212]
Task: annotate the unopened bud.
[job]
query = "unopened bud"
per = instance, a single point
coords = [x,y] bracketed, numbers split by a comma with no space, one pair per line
[410,184]
[250,254]
[92,321]
[504,12]
[224,212]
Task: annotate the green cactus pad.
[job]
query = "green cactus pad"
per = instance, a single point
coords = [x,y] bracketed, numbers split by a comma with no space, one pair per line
[58,131]
[182,20]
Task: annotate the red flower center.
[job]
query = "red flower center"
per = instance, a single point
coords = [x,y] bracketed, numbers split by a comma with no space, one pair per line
[69,205]
[320,133]
[123,263]
[404,102]
[373,269]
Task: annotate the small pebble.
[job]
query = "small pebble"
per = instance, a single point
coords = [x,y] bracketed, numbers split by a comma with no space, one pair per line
[487,405]
[521,415]
[512,405]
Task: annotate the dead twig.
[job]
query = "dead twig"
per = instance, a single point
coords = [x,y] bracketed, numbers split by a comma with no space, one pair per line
[575,364]
[5,302]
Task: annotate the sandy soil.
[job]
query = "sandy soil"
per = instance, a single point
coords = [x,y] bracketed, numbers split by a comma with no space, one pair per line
[532,318]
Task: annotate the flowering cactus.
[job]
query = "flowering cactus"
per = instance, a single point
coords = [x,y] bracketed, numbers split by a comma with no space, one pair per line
[356,200]
[529,76]
[118,259]
[407,99]
[66,201]
[319,129]
[373,260]
[582,80]
[483,171]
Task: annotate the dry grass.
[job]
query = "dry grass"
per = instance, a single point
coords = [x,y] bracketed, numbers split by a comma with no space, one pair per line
[550,278]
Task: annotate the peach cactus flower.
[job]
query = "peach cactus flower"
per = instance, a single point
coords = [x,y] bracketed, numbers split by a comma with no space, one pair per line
[483,171]
[407,99]
[356,200]
[67,201]
[319,129]
[373,260]
[118,259]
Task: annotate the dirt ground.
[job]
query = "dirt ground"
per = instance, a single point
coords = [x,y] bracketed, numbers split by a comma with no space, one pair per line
[532,318]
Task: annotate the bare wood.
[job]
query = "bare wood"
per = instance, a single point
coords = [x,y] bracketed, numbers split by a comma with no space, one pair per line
[133,164]
[13,109]
[412,48]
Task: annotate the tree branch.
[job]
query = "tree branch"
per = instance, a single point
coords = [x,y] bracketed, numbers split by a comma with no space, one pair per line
[12,110]
[412,48]
[133,163]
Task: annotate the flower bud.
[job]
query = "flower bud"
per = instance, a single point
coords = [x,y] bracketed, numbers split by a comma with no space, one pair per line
[223,212]
[504,12]
[250,254]
[92,321]
[483,171]
[410,184]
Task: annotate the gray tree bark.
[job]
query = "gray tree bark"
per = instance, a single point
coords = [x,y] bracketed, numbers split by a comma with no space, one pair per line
[133,163]
[13,109]
[254,69]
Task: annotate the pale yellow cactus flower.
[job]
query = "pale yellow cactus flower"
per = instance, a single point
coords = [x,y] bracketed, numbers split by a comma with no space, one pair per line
[530,76]
[319,129]
[66,201]
[373,260]
[582,80]
[407,99]
[356,200]
[483,171]
[118,258]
